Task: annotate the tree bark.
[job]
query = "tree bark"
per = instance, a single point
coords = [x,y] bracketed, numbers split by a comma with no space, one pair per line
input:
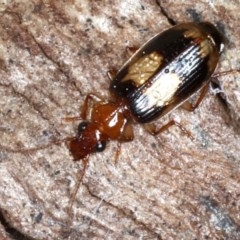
[52,54]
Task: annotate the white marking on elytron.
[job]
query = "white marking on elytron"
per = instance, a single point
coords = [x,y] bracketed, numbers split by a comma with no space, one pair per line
[140,71]
[163,89]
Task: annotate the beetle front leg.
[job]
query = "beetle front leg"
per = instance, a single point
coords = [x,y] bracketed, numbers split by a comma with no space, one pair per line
[90,97]
[152,129]
[84,110]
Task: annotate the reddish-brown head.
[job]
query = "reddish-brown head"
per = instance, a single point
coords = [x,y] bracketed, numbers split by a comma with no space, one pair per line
[89,140]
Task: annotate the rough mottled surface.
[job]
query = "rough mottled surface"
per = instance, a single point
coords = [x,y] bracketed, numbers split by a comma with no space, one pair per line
[52,53]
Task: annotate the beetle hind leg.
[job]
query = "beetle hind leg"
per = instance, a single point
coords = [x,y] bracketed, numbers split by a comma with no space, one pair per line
[220,74]
[152,129]
[192,106]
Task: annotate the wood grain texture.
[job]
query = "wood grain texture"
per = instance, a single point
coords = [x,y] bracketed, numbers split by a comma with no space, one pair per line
[53,53]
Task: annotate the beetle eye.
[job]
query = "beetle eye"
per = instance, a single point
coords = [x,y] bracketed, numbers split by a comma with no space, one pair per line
[82,126]
[101,145]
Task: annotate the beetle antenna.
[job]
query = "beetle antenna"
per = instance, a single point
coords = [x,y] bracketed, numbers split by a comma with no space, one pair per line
[80,175]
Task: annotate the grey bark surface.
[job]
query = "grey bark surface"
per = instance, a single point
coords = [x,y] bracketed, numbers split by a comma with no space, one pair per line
[52,54]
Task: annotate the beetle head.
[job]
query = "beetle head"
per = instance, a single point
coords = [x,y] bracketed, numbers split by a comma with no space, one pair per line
[89,140]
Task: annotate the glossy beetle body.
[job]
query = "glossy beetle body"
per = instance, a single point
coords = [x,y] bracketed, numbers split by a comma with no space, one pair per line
[160,76]
[168,69]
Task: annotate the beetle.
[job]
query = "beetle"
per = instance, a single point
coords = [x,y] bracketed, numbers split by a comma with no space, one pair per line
[158,78]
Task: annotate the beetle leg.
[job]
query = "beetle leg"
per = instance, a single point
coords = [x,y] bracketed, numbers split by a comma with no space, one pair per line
[190,106]
[219,74]
[90,97]
[84,110]
[152,129]
[71,119]
[111,74]
[131,50]
[127,135]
